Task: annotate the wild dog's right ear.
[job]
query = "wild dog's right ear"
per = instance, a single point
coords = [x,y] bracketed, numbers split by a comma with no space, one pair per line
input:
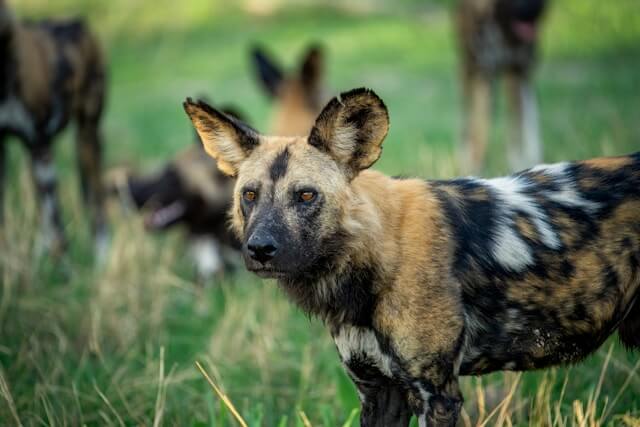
[269,74]
[312,67]
[351,130]
[225,138]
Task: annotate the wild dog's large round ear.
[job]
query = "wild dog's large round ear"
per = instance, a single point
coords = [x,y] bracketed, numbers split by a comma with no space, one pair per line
[224,137]
[351,129]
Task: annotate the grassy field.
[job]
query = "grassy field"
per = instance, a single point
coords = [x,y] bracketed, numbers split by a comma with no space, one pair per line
[117,345]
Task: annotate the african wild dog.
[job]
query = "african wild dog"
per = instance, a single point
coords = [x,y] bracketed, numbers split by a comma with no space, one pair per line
[298,95]
[52,72]
[189,191]
[499,37]
[423,281]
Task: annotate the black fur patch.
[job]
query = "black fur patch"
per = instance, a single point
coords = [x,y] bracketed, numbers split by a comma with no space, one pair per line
[350,301]
[279,166]
[384,400]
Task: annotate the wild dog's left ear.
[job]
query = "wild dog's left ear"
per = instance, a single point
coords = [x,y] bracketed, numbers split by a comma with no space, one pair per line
[269,73]
[224,137]
[351,129]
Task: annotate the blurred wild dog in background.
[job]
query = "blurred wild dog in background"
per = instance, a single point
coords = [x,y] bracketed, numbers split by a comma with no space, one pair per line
[189,191]
[499,38]
[422,281]
[192,192]
[298,96]
[52,72]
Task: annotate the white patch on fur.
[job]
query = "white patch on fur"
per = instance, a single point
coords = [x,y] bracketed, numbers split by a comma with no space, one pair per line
[49,234]
[511,190]
[568,194]
[510,250]
[14,116]
[424,397]
[207,256]
[44,172]
[551,169]
[509,366]
[352,339]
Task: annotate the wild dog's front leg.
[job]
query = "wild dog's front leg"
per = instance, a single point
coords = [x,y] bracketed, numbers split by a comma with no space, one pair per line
[525,149]
[89,147]
[424,326]
[44,177]
[439,407]
[383,398]
[383,401]
[477,106]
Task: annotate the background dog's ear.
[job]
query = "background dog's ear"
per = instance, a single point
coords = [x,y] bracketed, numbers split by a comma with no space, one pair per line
[312,67]
[351,129]
[269,74]
[224,137]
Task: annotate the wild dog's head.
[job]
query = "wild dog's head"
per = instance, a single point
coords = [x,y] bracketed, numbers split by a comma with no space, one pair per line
[519,19]
[298,95]
[189,190]
[293,195]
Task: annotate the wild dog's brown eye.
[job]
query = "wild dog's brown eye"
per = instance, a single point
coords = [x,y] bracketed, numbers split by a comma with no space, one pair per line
[306,196]
[249,195]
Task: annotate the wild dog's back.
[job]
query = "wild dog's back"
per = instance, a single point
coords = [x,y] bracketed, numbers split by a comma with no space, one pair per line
[548,260]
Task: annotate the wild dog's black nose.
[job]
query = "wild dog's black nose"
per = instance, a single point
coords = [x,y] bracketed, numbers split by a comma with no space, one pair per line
[262,248]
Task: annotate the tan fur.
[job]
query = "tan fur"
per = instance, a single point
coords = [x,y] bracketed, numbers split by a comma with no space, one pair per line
[293,115]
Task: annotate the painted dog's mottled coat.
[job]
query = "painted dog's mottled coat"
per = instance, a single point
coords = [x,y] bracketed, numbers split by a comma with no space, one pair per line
[423,281]
[52,72]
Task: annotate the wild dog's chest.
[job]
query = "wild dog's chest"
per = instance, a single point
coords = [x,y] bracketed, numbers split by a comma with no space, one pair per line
[14,117]
[493,53]
[362,354]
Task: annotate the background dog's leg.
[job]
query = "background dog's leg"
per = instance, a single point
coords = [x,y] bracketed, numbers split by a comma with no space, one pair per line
[89,148]
[477,107]
[44,177]
[525,149]
[207,257]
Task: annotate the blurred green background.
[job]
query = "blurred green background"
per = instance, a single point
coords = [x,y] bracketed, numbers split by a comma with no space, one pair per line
[117,345]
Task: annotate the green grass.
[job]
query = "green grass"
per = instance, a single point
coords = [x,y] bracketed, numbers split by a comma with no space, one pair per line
[80,345]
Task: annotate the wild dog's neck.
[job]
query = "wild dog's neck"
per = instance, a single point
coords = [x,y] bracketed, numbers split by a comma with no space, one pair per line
[347,292]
